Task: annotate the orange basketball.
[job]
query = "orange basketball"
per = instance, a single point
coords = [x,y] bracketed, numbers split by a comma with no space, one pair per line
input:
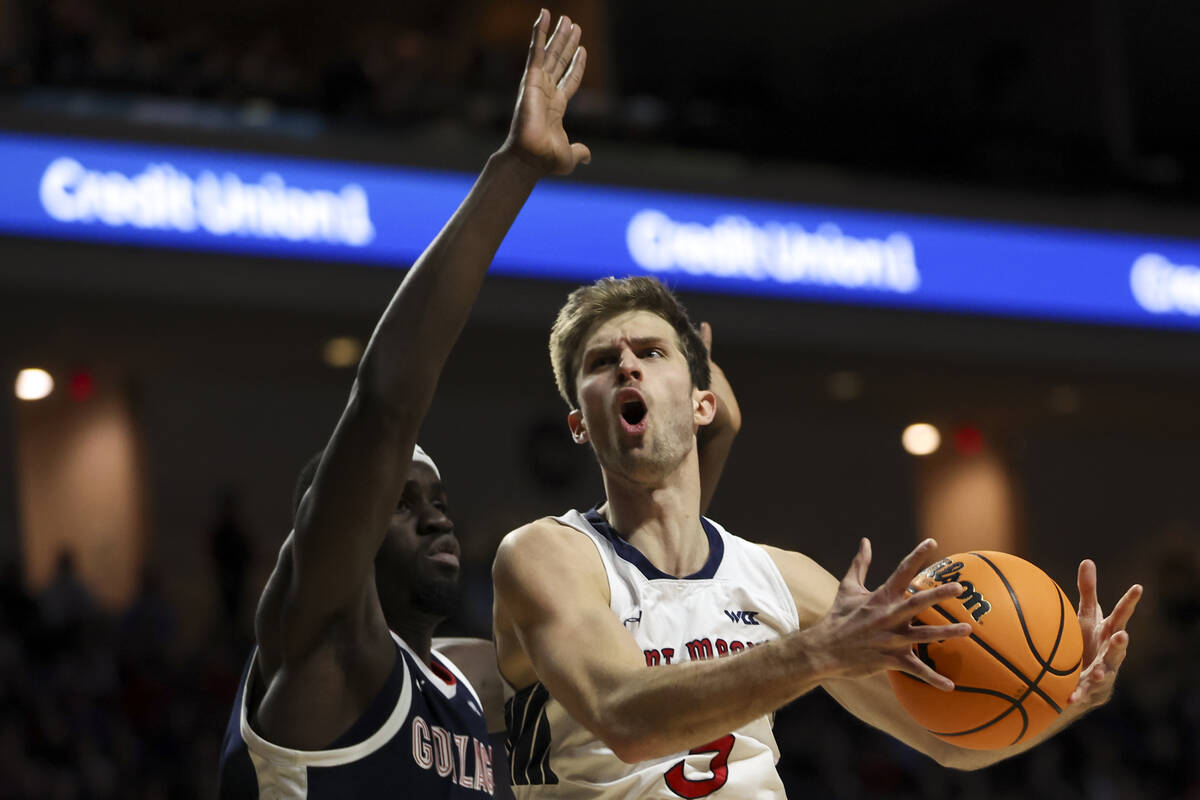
[1014,673]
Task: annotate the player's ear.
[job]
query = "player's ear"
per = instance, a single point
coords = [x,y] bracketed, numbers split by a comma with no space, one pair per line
[704,407]
[578,430]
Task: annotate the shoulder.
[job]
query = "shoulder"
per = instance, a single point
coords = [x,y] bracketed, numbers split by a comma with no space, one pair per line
[547,556]
[812,586]
[358,635]
[548,539]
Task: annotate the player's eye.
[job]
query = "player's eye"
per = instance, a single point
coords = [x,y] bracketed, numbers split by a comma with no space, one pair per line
[602,361]
[403,507]
[654,352]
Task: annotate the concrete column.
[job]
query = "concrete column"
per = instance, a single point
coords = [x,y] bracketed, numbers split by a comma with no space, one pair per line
[81,488]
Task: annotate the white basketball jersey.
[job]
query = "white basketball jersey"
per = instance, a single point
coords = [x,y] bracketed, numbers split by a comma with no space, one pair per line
[737,600]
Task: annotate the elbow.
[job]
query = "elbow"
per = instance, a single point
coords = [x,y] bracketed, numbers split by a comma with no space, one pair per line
[389,410]
[371,384]
[633,744]
[631,749]
[951,757]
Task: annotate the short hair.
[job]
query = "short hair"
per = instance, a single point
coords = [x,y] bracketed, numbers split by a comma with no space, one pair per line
[590,305]
[304,480]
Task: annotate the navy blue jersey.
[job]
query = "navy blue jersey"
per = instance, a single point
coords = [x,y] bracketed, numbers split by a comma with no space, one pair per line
[423,736]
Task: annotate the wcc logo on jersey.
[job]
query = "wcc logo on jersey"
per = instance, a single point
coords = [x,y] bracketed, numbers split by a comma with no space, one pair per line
[744,617]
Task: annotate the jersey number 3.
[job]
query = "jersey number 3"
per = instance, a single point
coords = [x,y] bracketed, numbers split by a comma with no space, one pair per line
[719,766]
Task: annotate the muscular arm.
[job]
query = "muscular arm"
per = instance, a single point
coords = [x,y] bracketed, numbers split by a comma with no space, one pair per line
[344,518]
[322,594]
[576,647]
[588,661]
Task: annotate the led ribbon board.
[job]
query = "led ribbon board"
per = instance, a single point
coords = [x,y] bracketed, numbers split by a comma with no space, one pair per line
[174,197]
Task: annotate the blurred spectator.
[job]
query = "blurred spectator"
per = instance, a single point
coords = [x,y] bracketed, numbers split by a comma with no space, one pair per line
[395,65]
[65,604]
[231,554]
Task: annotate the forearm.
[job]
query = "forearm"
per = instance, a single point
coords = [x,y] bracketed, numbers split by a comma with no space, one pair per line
[424,318]
[340,526]
[965,759]
[669,709]
[714,450]
[872,701]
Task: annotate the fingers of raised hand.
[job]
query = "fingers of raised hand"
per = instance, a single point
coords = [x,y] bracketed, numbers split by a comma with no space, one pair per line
[574,75]
[537,47]
[580,153]
[706,337]
[561,49]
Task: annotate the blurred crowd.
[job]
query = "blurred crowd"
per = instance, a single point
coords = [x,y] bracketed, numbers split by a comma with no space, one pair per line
[453,61]
[103,705]
[99,705]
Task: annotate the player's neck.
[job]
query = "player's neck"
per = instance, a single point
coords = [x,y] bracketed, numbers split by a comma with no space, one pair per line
[661,519]
[417,633]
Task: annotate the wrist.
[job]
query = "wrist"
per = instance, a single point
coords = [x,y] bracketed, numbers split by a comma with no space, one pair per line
[520,165]
[810,657]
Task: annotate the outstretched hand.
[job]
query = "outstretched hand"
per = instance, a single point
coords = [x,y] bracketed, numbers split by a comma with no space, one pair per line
[868,632]
[553,72]
[1105,640]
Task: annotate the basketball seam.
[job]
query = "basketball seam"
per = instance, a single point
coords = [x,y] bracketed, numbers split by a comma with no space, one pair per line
[1012,704]
[1034,683]
[1003,661]
[1044,663]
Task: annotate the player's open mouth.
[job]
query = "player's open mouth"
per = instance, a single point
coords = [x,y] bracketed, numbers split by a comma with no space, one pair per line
[633,416]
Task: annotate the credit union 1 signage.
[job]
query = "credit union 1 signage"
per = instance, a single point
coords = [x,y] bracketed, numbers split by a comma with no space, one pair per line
[175,197]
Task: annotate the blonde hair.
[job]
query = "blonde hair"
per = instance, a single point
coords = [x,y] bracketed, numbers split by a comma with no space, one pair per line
[588,306]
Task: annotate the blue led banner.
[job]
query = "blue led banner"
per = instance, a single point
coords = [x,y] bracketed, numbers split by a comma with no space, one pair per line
[287,207]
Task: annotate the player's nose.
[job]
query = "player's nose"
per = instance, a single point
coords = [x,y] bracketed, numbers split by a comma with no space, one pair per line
[435,520]
[629,368]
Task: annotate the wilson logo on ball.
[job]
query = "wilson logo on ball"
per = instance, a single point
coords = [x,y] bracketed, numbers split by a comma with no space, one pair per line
[1012,676]
[948,571]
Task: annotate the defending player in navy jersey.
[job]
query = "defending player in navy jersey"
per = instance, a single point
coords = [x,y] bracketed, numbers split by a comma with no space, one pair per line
[344,695]
[613,657]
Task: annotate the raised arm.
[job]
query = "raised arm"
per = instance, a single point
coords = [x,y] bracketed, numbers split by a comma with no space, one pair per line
[587,660]
[716,439]
[324,575]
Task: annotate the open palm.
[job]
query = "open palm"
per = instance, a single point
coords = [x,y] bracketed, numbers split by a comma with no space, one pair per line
[1105,640]
[553,72]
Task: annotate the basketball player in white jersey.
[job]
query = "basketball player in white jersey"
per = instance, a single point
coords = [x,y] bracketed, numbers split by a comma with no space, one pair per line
[645,647]
[344,695]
